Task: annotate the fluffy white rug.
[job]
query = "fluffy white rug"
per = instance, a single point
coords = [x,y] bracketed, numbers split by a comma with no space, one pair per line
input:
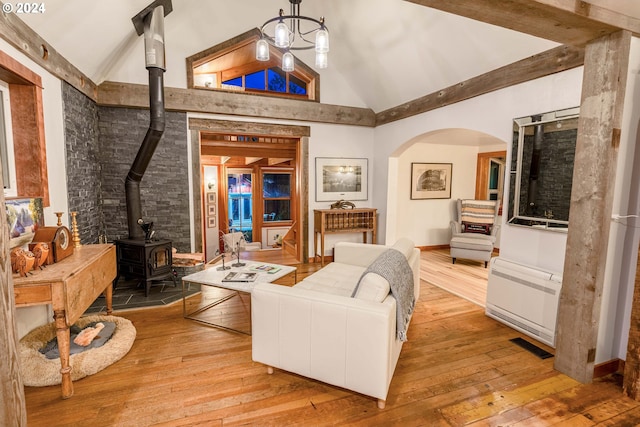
[38,371]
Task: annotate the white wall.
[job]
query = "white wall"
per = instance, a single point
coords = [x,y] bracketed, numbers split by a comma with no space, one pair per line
[426,222]
[211,233]
[491,114]
[30,317]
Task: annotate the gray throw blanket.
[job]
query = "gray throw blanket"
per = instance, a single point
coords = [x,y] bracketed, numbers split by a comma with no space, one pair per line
[393,266]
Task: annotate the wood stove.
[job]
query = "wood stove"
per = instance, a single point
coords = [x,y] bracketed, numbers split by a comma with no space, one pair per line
[144,260]
[139,256]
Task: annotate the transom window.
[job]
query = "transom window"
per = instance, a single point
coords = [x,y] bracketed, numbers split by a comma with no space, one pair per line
[232,66]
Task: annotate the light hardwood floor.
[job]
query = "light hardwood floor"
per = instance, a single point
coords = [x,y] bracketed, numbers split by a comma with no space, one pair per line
[458,368]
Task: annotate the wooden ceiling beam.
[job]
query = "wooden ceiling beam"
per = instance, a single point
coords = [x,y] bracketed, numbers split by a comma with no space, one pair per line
[568,22]
[117,94]
[204,141]
[551,61]
[19,35]
[246,151]
[251,160]
[276,161]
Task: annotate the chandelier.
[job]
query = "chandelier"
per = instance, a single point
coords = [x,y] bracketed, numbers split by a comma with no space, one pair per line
[294,32]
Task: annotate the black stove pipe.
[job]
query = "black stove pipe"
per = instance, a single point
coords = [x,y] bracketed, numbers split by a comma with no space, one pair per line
[154,56]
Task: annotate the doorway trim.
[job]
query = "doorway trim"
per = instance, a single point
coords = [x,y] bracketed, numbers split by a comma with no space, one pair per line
[197,125]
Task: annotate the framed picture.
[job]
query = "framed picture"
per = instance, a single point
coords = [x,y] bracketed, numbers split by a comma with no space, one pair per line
[211,222]
[24,216]
[211,210]
[211,197]
[341,178]
[431,181]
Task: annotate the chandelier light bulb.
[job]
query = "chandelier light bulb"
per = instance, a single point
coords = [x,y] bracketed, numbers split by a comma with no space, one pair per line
[322,41]
[292,37]
[262,50]
[281,35]
[287,62]
[321,60]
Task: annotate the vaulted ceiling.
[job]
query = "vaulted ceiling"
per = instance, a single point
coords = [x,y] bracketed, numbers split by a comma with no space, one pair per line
[388,51]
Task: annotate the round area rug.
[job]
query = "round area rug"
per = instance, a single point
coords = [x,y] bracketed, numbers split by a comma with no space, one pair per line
[38,371]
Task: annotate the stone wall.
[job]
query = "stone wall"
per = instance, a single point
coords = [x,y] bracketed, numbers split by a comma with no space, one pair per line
[164,189]
[556,174]
[82,162]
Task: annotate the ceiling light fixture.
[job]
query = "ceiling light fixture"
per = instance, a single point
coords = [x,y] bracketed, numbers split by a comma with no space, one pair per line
[294,32]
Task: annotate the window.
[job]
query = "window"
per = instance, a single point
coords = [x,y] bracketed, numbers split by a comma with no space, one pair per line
[240,202]
[232,66]
[496,178]
[6,144]
[276,195]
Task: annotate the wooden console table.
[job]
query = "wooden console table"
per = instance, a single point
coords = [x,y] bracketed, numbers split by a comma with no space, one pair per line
[70,286]
[359,220]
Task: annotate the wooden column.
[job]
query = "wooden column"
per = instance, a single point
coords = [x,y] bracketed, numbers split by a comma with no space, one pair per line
[13,412]
[631,384]
[605,74]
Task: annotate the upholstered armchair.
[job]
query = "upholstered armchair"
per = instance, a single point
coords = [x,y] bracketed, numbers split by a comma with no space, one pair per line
[474,230]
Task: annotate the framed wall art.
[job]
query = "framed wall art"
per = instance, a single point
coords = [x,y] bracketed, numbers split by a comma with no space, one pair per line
[24,216]
[341,178]
[211,197]
[211,222]
[431,181]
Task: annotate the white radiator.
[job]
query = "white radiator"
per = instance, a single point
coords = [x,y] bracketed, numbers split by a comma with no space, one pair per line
[524,298]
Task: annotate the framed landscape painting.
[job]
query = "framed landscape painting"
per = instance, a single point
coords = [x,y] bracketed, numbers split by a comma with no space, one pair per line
[431,181]
[24,216]
[341,178]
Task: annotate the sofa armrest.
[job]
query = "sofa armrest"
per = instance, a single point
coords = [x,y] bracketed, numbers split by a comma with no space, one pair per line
[456,228]
[342,341]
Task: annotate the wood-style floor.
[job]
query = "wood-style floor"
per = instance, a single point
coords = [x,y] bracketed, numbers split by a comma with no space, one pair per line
[458,368]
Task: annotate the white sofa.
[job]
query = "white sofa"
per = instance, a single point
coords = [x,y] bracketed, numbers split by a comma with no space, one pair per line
[316,329]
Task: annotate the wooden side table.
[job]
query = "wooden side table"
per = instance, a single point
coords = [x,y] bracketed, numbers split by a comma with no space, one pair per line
[70,286]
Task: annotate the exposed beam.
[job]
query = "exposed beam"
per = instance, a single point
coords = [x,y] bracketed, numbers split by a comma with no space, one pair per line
[594,174]
[564,21]
[19,35]
[252,128]
[277,161]
[237,104]
[561,58]
[242,151]
[251,160]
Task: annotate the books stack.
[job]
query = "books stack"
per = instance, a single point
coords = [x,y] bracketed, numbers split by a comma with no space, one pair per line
[240,276]
[266,268]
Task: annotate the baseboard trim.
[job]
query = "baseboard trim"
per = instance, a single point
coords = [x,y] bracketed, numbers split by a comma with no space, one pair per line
[432,248]
[611,367]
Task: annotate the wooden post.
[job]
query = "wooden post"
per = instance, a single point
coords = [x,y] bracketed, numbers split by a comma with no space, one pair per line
[631,384]
[603,87]
[13,412]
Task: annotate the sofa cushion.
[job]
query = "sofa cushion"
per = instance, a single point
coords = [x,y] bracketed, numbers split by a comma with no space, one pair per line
[405,246]
[335,278]
[373,287]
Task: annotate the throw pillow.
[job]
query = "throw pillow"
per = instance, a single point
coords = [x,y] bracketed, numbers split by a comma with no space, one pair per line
[471,227]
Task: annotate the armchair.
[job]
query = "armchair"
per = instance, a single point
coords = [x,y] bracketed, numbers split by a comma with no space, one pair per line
[474,231]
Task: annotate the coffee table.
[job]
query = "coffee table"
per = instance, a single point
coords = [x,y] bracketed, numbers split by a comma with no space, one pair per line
[212,277]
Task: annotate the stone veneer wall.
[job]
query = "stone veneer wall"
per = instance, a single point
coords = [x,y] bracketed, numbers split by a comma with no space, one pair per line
[556,173]
[82,162]
[164,189]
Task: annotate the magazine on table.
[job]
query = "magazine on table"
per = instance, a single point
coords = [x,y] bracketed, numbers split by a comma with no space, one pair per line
[266,268]
[240,276]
